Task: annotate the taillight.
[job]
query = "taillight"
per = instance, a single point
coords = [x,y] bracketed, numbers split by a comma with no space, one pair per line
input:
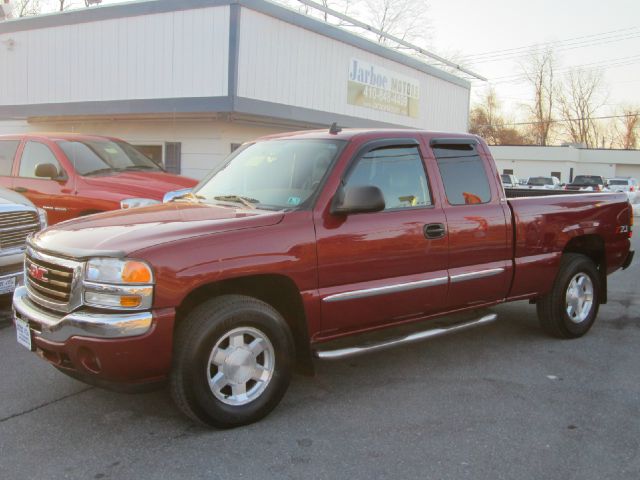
[631,188]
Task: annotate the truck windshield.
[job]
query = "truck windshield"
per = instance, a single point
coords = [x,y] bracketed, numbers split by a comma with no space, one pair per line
[588,180]
[618,182]
[276,174]
[93,157]
[539,181]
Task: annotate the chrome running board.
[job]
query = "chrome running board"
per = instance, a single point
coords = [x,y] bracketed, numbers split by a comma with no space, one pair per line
[411,338]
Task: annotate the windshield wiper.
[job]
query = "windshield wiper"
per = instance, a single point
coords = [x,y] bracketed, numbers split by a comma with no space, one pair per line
[246,201]
[188,196]
[100,170]
[140,167]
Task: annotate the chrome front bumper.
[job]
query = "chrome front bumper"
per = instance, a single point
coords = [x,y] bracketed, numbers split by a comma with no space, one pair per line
[81,323]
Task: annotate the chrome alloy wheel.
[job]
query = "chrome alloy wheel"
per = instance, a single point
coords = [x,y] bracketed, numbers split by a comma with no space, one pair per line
[240,366]
[579,297]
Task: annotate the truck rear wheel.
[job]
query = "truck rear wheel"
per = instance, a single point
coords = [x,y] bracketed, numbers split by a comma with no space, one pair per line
[572,306]
[231,361]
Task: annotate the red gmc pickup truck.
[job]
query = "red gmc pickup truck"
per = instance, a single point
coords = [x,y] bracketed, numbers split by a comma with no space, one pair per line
[73,175]
[325,244]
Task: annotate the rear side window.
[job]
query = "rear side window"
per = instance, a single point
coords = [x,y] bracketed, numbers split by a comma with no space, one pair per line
[35,153]
[463,174]
[398,172]
[8,149]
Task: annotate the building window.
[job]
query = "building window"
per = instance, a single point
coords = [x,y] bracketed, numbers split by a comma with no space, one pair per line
[508,171]
[557,175]
[154,152]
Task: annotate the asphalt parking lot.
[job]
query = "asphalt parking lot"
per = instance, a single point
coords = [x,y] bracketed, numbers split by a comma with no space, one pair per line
[501,402]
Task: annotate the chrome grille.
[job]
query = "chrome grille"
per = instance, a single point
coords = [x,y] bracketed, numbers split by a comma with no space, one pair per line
[15,227]
[53,283]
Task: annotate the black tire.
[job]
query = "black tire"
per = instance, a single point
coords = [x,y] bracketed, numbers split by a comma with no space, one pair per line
[200,332]
[552,308]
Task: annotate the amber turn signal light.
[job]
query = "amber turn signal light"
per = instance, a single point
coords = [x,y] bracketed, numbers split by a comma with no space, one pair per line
[136,272]
[130,301]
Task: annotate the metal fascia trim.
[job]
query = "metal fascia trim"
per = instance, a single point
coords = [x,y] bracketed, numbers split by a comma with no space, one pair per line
[400,287]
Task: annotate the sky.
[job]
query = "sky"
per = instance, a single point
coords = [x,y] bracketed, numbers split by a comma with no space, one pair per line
[606,33]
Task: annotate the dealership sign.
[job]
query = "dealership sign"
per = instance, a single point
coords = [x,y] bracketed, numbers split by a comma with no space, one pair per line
[376,87]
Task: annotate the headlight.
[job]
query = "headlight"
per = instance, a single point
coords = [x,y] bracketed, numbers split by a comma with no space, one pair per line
[122,272]
[43,218]
[137,202]
[118,284]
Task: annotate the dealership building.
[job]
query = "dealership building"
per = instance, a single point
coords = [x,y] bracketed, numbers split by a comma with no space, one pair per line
[188,81]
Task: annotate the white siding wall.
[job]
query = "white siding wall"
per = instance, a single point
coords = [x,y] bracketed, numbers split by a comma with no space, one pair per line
[205,142]
[283,63]
[541,161]
[177,54]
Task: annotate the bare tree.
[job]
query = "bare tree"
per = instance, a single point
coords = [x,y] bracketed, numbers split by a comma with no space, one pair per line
[540,74]
[405,19]
[487,121]
[579,99]
[25,8]
[629,128]
[63,5]
[341,6]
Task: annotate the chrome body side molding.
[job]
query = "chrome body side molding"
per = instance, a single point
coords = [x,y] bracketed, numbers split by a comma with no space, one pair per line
[400,287]
[475,275]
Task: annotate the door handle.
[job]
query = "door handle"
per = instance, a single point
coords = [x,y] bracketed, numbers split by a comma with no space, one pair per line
[19,189]
[434,230]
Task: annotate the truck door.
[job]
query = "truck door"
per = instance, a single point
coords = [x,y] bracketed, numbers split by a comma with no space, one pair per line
[387,266]
[54,195]
[478,229]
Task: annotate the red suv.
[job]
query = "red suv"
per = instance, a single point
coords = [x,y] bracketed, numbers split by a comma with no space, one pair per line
[71,175]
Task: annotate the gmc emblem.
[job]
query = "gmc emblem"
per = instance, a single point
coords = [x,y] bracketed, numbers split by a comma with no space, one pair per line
[38,273]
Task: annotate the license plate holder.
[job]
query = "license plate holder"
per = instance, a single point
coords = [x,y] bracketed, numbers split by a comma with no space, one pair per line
[23,334]
[7,285]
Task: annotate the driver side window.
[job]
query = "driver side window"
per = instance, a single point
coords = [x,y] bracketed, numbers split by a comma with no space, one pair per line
[36,153]
[398,172]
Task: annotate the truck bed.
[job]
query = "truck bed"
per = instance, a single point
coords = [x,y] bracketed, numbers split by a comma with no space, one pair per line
[552,222]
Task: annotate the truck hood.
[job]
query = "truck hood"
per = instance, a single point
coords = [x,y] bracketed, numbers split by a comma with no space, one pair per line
[140,184]
[9,197]
[121,232]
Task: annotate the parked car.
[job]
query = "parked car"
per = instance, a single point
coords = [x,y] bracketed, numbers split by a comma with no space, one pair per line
[547,183]
[595,183]
[71,175]
[622,184]
[302,245]
[19,218]
[509,180]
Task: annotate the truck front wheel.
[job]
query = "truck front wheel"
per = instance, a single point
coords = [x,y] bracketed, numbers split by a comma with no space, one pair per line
[572,306]
[231,361]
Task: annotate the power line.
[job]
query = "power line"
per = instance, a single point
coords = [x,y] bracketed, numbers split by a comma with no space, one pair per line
[570,41]
[595,65]
[564,120]
[603,41]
